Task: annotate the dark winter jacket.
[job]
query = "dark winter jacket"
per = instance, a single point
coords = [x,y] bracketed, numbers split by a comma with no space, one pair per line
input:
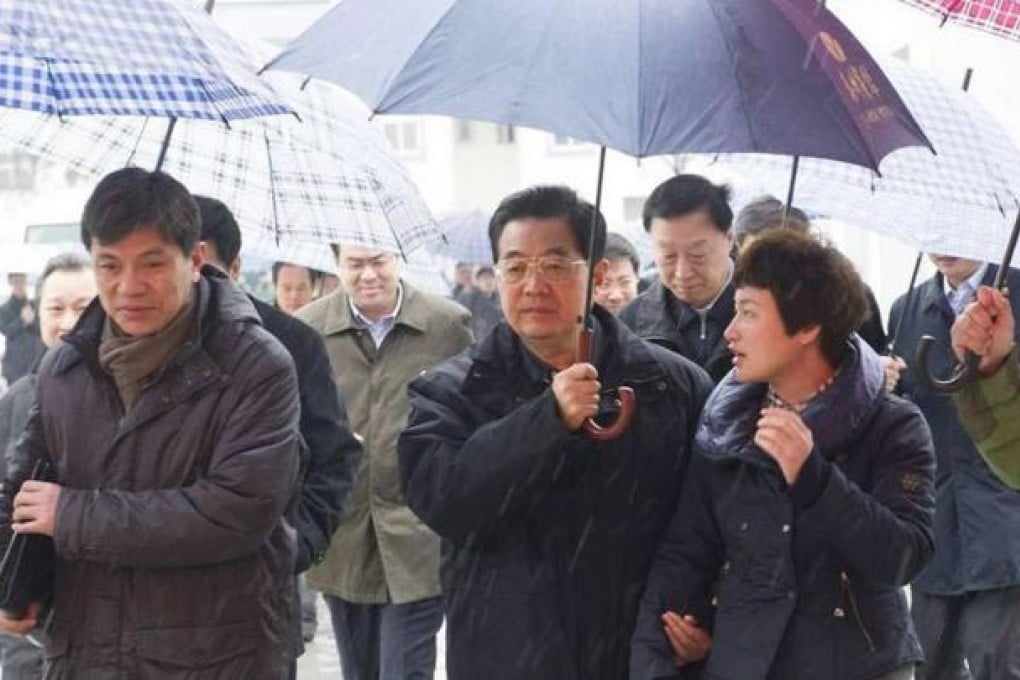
[333,453]
[658,316]
[22,344]
[15,404]
[977,543]
[805,582]
[173,557]
[547,535]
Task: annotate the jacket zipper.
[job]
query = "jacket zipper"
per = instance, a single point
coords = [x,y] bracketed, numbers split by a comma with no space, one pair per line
[855,611]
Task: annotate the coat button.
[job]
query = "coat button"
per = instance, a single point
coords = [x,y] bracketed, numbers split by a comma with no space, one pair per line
[838,612]
[786,528]
[743,526]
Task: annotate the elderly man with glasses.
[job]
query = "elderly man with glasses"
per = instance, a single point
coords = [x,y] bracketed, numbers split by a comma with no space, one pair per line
[548,534]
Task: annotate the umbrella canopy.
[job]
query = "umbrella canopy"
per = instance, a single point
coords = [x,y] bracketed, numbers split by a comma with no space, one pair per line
[645,77]
[327,178]
[466,235]
[961,201]
[999,17]
[154,58]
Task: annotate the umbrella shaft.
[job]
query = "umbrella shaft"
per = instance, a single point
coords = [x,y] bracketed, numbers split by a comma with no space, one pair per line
[589,288]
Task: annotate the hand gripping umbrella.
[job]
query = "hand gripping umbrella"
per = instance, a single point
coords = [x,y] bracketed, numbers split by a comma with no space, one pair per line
[645,77]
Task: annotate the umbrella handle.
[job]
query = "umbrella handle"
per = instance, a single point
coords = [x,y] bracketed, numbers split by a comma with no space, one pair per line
[962,375]
[624,394]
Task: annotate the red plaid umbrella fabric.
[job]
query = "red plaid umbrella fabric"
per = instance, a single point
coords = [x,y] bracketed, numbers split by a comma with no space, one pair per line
[1001,17]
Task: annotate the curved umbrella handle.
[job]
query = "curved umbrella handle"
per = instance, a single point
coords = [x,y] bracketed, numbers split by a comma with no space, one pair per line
[962,375]
[625,395]
[620,425]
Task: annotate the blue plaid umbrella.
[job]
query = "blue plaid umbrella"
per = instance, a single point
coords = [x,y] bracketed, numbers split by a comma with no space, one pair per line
[326,178]
[161,58]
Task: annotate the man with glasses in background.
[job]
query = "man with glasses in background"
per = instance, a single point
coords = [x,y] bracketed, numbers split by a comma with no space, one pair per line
[548,534]
[620,284]
[380,576]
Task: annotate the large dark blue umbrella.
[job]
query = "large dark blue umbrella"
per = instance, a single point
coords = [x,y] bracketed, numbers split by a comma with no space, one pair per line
[645,77]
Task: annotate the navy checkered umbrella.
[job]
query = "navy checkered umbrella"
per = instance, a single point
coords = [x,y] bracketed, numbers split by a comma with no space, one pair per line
[161,58]
[961,201]
[325,178]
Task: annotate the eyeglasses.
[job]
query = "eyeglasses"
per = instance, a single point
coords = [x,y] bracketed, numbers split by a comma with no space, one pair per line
[552,268]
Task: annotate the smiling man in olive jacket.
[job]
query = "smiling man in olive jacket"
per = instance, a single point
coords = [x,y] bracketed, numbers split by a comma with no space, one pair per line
[380,576]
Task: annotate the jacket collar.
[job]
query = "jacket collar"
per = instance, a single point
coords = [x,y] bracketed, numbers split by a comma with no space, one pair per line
[835,418]
[932,294]
[620,356]
[339,319]
[721,311]
[217,295]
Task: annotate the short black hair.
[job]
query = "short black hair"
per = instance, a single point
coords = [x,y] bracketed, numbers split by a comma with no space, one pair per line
[813,285]
[313,274]
[544,202]
[765,213]
[618,247]
[64,262]
[486,270]
[131,199]
[682,195]
[219,227]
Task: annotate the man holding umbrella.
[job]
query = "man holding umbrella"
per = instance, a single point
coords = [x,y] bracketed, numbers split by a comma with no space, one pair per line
[989,407]
[548,534]
[690,222]
[966,603]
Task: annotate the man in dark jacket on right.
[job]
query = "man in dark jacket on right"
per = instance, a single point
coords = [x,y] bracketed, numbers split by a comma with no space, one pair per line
[547,533]
[690,223]
[966,604]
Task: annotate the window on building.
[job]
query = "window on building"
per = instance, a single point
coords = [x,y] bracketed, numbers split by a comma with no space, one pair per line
[633,207]
[404,136]
[563,141]
[17,171]
[505,134]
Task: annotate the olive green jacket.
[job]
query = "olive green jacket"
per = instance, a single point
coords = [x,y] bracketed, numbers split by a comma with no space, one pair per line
[990,410]
[382,552]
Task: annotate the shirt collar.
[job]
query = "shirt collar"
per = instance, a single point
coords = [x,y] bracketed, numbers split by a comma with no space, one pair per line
[364,320]
[971,284]
[707,308]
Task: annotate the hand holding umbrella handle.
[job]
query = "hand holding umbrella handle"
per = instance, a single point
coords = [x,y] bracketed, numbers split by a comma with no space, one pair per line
[624,394]
[962,375]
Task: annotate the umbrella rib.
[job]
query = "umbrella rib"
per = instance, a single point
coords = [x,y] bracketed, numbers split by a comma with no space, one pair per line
[272,187]
[722,32]
[53,88]
[377,105]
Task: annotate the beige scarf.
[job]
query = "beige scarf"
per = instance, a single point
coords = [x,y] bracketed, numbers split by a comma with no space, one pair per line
[132,360]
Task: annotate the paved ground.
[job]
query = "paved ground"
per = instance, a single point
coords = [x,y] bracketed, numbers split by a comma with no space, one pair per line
[320,661]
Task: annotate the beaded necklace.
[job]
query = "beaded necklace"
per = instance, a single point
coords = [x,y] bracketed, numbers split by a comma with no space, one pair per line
[773,400]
